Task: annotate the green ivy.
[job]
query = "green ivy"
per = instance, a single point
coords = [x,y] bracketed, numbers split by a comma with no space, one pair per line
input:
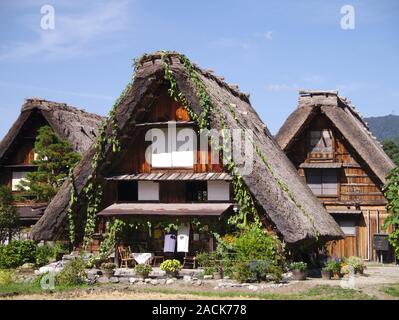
[72,201]
[391,193]
[93,188]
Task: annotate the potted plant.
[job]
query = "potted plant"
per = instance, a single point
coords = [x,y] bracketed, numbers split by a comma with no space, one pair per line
[357,264]
[328,269]
[143,270]
[171,267]
[334,265]
[107,268]
[299,270]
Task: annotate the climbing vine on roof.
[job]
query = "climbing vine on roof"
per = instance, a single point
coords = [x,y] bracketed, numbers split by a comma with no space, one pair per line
[242,194]
[93,188]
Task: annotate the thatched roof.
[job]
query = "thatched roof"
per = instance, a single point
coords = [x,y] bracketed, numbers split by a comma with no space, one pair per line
[77,126]
[345,118]
[291,223]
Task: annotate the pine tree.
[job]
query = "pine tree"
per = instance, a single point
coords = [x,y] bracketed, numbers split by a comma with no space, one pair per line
[55,157]
[392,150]
[9,219]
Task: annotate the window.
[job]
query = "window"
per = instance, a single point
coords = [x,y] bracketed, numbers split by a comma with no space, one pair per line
[17,177]
[148,191]
[320,141]
[196,191]
[348,225]
[167,152]
[323,182]
[127,191]
[218,191]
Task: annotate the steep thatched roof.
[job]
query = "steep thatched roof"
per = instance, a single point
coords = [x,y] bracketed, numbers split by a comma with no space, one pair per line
[78,127]
[291,222]
[345,118]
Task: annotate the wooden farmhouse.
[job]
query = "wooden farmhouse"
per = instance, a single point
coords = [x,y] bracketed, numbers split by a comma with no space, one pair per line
[184,187]
[343,164]
[17,147]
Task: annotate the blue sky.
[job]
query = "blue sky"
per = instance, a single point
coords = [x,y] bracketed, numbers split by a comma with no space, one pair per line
[269,48]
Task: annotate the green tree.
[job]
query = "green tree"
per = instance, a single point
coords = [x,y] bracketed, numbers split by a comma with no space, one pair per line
[391,192]
[392,150]
[55,157]
[9,220]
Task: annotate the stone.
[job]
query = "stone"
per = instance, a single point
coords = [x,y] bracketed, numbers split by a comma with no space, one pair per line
[103,280]
[148,280]
[132,280]
[198,283]
[154,282]
[253,288]
[162,281]
[93,272]
[208,277]
[114,280]
[170,281]
[187,278]
[124,272]
[124,280]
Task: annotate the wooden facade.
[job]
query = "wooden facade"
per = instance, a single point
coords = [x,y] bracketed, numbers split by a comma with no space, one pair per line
[132,161]
[343,181]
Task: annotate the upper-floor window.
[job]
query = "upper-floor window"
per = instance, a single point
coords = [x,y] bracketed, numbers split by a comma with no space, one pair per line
[320,141]
[323,182]
[172,149]
[17,177]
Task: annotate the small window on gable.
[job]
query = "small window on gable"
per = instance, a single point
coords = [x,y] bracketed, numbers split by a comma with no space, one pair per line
[320,141]
[17,177]
[323,182]
[173,152]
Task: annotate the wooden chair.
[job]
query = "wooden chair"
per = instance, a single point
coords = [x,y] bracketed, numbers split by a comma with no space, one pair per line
[125,257]
[190,261]
[157,258]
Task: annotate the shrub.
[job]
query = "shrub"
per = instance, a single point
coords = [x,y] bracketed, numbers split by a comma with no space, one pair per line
[357,263]
[263,252]
[73,273]
[43,255]
[6,277]
[108,266]
[333,266]
[171,266]
[143,269]
[16,253]
[300,266]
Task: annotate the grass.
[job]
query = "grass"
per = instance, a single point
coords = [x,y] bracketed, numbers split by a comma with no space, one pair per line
[34,288]
[320,292]
[392,290]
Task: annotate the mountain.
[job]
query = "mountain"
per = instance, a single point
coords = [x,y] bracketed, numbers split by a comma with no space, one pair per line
[385,127]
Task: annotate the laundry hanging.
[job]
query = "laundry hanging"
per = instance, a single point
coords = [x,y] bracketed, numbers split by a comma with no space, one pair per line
[183,235]
[169,243]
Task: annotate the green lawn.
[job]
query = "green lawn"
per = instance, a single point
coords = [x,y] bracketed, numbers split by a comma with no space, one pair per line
[321,292]
[392,290]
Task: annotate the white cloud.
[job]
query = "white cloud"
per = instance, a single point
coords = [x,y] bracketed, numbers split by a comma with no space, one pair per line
[56,91]
[282,87]
[269,35]
[74,34]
